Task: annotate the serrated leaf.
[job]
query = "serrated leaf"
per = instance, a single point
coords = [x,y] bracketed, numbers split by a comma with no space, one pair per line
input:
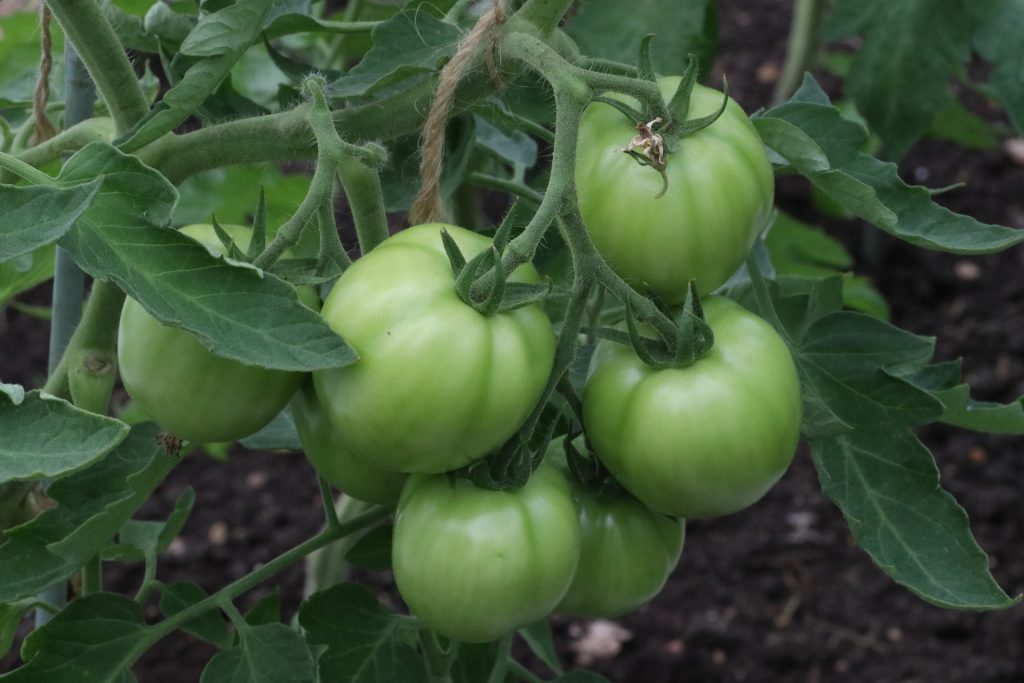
[34,216]
[870,188]
[269,653]
[373,549]
[899,77]
[409,43]
[95,638]
[1000,40]
[848,364]
[887,486]
[47,437]
[25,272]
[237,312]
[209,626]
[92,505]
[362,638]
[613,29]
[237,27]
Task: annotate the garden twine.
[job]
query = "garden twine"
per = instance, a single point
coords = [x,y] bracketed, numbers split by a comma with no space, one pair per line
[41,95]
[427,205]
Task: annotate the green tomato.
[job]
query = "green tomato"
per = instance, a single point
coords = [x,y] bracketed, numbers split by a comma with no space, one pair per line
[473,563]
[719,195]
[185,388]
[627,551]
[437,384]
[333,461]
[705,440]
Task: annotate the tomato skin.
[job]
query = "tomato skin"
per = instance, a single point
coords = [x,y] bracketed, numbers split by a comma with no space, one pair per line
[437,384]
[701,441]
[185,388]
[326,451]
[473,563]
[720,192]
[627,551]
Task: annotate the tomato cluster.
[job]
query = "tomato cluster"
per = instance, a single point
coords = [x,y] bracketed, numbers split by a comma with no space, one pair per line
[438,385]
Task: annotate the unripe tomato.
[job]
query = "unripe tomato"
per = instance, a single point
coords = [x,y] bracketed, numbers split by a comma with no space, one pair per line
[720,190]
[186,389]
[704,440]
[332,460]
[437,384]
[473,563]
[627,551]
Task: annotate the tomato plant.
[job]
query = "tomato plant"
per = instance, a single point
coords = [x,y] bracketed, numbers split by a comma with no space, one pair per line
[624,279]
[716,199]
[437,384]
[523,547]
[704,440]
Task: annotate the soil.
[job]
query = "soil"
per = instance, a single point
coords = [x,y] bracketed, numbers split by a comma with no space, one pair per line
[776,593]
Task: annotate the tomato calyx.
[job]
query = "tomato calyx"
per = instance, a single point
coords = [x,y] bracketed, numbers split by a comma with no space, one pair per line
[498,295]
[509,468]
[692,338]
[588,471]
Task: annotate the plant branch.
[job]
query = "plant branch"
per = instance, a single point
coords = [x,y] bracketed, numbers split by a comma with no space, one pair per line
[100,50]
[19,168]
[802,49]
[366,200]
[545,15]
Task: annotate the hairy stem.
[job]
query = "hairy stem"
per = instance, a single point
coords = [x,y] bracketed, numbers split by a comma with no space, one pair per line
[366,200]
[546,15]
[100,50]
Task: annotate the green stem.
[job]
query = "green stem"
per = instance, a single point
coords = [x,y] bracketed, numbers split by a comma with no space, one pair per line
[332,251]
[327,498]
[21,169]
[366,201]
[94,39]
[92,576]
[328,566]
[65,142]
[149,581]
[439,661]
[510,186]
[320,188]
[802,49]
[501,663]
[523,673]
[351,14]
[609,66]
[248,582]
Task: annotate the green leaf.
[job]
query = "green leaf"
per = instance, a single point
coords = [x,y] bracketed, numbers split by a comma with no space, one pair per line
[373,549]
[848,364]
[958,124]
[943,382]
[95,638]
[47,437]
[236,311]
[899,77]
[400,180]
[362,638]
[267,610]
[269,653]
[409,43]
[140,539]
[613,29]
[279,434]
[506,142]
[209,626]
[34,216]
[866,186]
[1000,40]
[538,636]
[10,617]
[474,662]
[25,272]
[92,505]
[887,486]
[219,39]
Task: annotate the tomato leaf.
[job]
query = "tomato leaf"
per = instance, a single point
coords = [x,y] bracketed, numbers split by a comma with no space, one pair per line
[143,539]
[209,626]
[887,485]
[538,637]
[867,187]
[25,272]
[92,505]
[408,44]
[34,216]
[1000,39]
[373,549]
[95,638]
[362,638]
[926,38]
[613,29]
[47,437]
[236,311]
[943,382]
[268,653]
[10,617]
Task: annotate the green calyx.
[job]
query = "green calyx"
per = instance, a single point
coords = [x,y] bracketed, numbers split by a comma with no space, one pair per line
[495,294]
[589,472]
[690,341]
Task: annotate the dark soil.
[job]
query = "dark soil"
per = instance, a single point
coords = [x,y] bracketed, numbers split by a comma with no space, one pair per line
[778,593]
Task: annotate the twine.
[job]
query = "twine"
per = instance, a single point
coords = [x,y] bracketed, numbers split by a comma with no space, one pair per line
[427,205]
[41,95]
